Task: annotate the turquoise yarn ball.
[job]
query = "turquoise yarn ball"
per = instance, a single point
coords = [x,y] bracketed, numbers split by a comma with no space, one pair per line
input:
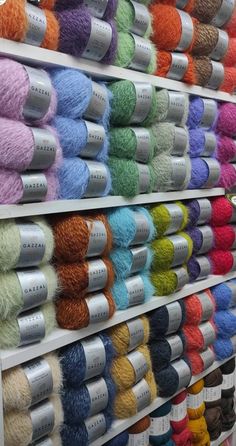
[123,261]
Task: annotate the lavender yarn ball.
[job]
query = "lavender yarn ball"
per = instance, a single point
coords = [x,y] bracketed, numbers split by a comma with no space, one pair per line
[197,239]
[194,212]
[109,12]
[199,173]
[196,113]
[197,142]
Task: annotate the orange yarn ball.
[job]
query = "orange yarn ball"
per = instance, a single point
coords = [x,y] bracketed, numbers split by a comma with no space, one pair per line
[229,83]
[230,57]
[198,428]
[194,313]
[164,60]
[197,362]
[51,38]
[141,425]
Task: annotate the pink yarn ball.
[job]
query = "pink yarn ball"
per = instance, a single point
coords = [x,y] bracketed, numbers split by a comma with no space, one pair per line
[226,149]
[227,176]
[226,122]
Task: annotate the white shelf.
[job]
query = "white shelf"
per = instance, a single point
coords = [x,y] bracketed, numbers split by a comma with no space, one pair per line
[223,437]
[60,337]
[40,56]
[52,207]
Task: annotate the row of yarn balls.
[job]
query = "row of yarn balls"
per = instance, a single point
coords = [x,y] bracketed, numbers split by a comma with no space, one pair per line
[69,25]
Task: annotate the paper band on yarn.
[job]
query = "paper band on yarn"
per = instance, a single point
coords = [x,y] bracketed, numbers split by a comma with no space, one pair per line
[95,139]
[207,357]
[97,275]
[136,333]
[208,333]
[232,287]
[186,31]
[209,113]
[195,401]
[98,102]
[228,381]
[39,97]
[96,9]
[143,144]
[176,346]
[143,102]
[176,218]
[43,419]
[179,172]
[142,393]
[34,186]
[206,305]
[205,267]
[207,239]
[139,364]
[36,25]
[97,238]
[176,107]
[39,375]
[141,18]
[95,356]
[175,317]
[31,327]
[180,141]
[34,287]
[180,246]
[178,411]
[139,258]
[135,289]
[142,53]
[178,67]
[142,228]
[214,172]
[32,245]
[184,373]
[205,211]
[159,425]
[182,277]
[222,45]
[217,75]
[98,178]
[98,394]
[210,144]
[99,40]
[224,14]
[98,308]
[95,426]
[233,341]
[141,439]
[45,147]
[212,393]
[144,178]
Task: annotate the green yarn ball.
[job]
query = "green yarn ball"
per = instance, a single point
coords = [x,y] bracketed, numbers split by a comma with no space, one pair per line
[164,133]
[125,17]
[164,282]
[163,105]
[123,104]
[164,173]
[164,250]
[162,219]
[125,177]
[123,143]
[125,53]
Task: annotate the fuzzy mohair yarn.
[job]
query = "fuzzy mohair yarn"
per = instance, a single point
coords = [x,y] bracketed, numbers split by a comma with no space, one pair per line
[10,242]
[197,363]
[18,425]
[17,393]
[123,372]
[123,143]
[11,299]
[223,294]
[221,261]
[121,293]
[120,335]
[198,237]
[226,149]
[125,403]
[165,137]
[227,176]
[125,18]
[165,222]
[162,438]
[161,351]
[73,360]
[195,398]
[197,142]
[167,282]
[124,228]
[164,63]
[164,107]
[226,119]
[195,267]
[162,318]
[194,307]
[123,261]
[225,323]
[78,434]
[164,167]
[194,336]
[222,211]
[109,12]
[200,173]
[179,401]
[224,237]
[230,25]
[124,101]
[75,30]
[164,252]
[125,53]
[196,214]
[14,91]
[223,348]
[196,113]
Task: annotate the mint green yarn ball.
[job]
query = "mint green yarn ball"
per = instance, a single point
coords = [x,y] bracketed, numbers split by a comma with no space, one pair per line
[164,133]
[164,173]
[125,17]
[123,143]
[125,53]
[163,107]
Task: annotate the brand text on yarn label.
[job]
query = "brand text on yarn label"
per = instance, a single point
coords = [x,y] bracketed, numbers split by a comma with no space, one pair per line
[176,218]
[34,287]
[207,306]
[43,418]
[205,267]
[176,107]
[32,245]
[36,26]
[98,102]
[99,40]
[136,333]
[208,333]
[139,258]
[141,19]
[98,178]
[228,381]
[95,426]
[144,178]
[97,8]
[182,277]
[217,75]
[142,54]
[214,172]
[184,373]
[207,239]
[97,238]
[32,327]
[143,142]
[210,144]
[205,211]
[178,411]
[35,187]
[142,394]
[178,67]
[45,148]
[98,394]
[175,317]
[95,140]
[142,228]
[139,364]
[97,275]
[135,290]
[224,13]
[141,439]
[180,141]
[176,346]
[95,356]
[39,96]
[187,31]
[180,247]
[209,113]
[179,170]
[143,102]
[160,425]
[194,401]
[212,393]
[207,358]
[39,376]
[98,308]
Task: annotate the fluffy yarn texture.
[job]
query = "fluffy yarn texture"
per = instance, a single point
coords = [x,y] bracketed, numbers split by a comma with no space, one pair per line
[167,282]
[195,213]
[126,52]
[160,321]
[167,380]
[223,348]
[120,335]
[123,143]
[225,322]
[226,119]
[164,108]
[198,237]
[125,18]
[197,108]
[123,261]
[61,5]
[221,261]
[222,211]
[165,135]
[161,352]
[194,336]
[165,171]
[200,173]
[16,389]
[226,149]
[165,222]
[197,363]
[195,270]
[198,142]
[121,293]
[223,294]
[194,307]
[164,63]
[227,176]
[164,252]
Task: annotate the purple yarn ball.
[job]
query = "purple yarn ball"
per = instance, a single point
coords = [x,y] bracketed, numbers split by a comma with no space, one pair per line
[197,239]
[109,13]
[193,213]
[198,143]
[199,173]
[196,113]
[193,269]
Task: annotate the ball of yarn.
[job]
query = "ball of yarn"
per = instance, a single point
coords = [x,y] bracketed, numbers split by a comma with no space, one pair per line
[198,268]
[199,212]
[167,176]
[124,101]
[223,348]
[123,372]
[121,337]
[167,282]
[141,426]
[109,12]
[10,242]
[213,418]
[169,218]
[125,18]
[213,379]
[183,438]
[119,440]
[222,211]
[164,107]
[11,299]
[74,313]
[168,379]
[179,403]
[228,412]
[123,261]
[198,427]
[222,294]
[198,108]
[226,149]
[228,387]
[205,39]
[199,337]
[13,100]
[74,435]
[123,296]
[166,60]
[74,178]
[74,364]
[224,237]
[17,392]
[201,171]
[163,411]
[227,176]
[226,119]
[225,322]
[161,319]
[76,25]
[198,142]
[202,238]
[124,143]
[125,404]
[164,251]
[195,403]
[199,307]
[125,54]
[221,261]
[125,227]
[167,135]
[161,350]
[197,360]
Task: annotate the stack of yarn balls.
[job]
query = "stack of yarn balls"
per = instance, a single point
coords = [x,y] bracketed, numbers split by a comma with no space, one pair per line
[196,409]
[212,399]
[226,130]
[228,395]
[182,435]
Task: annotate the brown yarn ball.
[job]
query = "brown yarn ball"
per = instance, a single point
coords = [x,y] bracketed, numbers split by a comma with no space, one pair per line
[213,418]
[203,69]
[206,38]
[206,11]
[214,379]
[141,425]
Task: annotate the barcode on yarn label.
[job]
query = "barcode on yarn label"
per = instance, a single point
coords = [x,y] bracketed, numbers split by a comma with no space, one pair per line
[135,290]
[98,394]
[195,401]
[136,333]
[205,267]
[95,426]
[97,275]
[140,439]
[224,14]
[141,19]
[176,218]
[31,326]
[95,139]
[33,245]
[95,356]
[187,31]
[139,364]
[208,358]
[142,228]
[176,107]
[207,306]
[142,394]
[209,113]
[98,102]
[208,333]
[178,67]
[45,147]
[143,144]
[180,141]
[43,418]
[36,25]
[39,375]
[175,317]
[212,393]
[142,53]
[207,239]
[184,373]
[205,211]
[176,346]
[139,258]
[39,96]
[98,308]
[180,245]
[143,102]
[34,287]
[98,178]
[182,277]
[178,411]
[97,238]
[160,425]
[99,40]
[96,8]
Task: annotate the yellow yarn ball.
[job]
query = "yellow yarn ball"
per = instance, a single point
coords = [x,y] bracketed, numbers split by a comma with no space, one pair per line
[164,251]
[120,335]
[198,428]
[165,282]
[195,389]
[206,441]
[162,218]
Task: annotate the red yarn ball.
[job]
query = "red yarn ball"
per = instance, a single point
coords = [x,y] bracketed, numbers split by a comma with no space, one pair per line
[183,439]
[179,408]
[222,211]
[221,261]
[224,237]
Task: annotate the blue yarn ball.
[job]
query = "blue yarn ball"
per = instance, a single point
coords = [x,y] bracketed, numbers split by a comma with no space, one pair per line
[74,179]
[73,361]
[196,142]
[161,353]
[73,136]
[196,113]
[77,402]
[78,435]
[222,295]
[225,322]
[168,379]
[121,296]
[123,226]
[164,410]
[223,348]
[199,173]
[122,260]
[159,320]
[120,440]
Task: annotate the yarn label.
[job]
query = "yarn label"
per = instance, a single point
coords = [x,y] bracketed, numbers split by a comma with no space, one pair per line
[139,364]
[179,411]
[99,40]
[228,381]
[182,277]
[184,373]
[208,333]
[210,144]
[97,275]
[98,394]
[176,107]
[178,67]
[32,245]
[207,306]
[35,187]
[232,287]
[136,333]
[222,45]
[144,178]
[96,8]
[95,139]
[160,425]
[32,327]
[141,19]
[208,358]
[142,394]
[187,31]
[205,211]
[142,228]
[175,317]
[98,308]
[135,290]
[142,53]
[95,356]
[143,142]
[36,25]
[43,442]
[143,102]
[194,401]
[209,113]
[141,439]
[214,172]
[176,218]
[224,14]
[212,393]
[207,239]
[180,246]
[43,419]
[97,238]
[98,102]
[180,141]
[217,75]
[95,426]
[39,375]
[98,179]
[233,341]
[34,287]
[176,346]
[179,170]
[39,96]
[45,147]
[205,267]
[139,258]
